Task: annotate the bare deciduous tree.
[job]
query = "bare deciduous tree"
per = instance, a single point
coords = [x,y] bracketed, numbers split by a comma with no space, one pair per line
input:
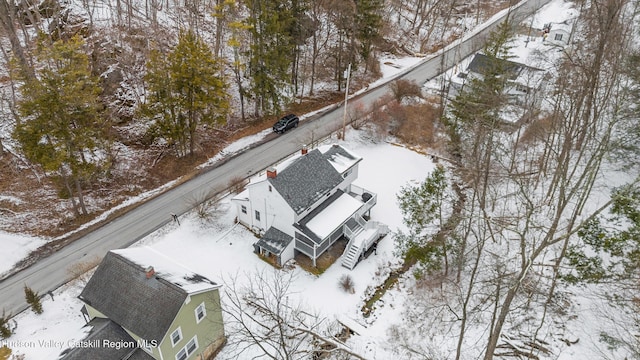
[267,321]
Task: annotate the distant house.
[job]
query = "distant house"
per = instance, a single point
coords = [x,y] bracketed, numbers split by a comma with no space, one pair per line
[140,304]
[558,33]
[307,203]
[523,82]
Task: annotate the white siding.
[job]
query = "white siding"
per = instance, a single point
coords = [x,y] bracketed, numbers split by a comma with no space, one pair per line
[274,211]
[243,217]
[561,32]
[288,252]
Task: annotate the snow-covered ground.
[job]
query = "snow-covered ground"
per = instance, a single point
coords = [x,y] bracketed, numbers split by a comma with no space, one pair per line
[219,250]
[15,248]
[194,243]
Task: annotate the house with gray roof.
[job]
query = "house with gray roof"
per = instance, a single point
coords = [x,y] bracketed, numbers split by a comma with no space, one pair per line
[524,84]
[140,304]
[308,202]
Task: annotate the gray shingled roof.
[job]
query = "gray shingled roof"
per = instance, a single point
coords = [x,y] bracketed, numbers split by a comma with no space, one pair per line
[120,290]
[306,180]
[274,240]
[105,329]
[481,64]
[338,150]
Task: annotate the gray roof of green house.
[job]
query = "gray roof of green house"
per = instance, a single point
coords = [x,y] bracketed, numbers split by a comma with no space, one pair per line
[311,176]
[105,329]
[121,290]
[274,240]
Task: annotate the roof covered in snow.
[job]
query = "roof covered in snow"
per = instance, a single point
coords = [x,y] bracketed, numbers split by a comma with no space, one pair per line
[340,158]
[167,269]
[334,212]
[308,178]
[274,240]
[146,306]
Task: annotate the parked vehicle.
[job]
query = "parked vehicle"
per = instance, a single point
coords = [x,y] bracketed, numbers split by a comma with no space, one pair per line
[287,122]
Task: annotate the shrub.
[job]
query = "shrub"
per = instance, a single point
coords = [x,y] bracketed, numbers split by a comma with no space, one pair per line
[404,88]
[417,126]
[346,284]
[5,330]
[5,352]
[80,271]
[33,299]
[236,185]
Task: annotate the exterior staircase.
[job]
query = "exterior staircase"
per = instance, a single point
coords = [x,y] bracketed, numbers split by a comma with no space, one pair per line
[352,251]
[351,255]
[362,235]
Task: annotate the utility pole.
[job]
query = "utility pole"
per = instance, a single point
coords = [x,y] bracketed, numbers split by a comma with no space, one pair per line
[346,96]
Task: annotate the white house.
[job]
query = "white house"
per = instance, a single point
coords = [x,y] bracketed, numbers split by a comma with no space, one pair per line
[523,82]
[307,203]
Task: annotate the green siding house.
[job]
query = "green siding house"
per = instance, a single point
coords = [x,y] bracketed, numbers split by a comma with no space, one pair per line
[140,304]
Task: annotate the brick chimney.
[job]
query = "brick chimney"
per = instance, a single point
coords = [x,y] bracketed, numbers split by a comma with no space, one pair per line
[149,271]
[304,150]
[272,173]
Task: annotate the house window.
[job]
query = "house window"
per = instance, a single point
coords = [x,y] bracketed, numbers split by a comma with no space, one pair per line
[346,173]
[182,354]
[269,188]
[201,312]
[243,209]
[192,345]
[257,215]
[176,336]
[188,349]
[558,37]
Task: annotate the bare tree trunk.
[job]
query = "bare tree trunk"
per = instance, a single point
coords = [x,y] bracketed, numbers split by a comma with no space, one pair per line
[80,195]
[467,298]
[7,17]
[65,179]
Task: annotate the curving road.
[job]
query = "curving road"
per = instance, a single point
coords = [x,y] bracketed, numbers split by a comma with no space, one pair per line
[51,272]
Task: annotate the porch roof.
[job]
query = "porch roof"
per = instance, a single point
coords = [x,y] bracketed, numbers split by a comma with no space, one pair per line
[334,214]
[274,241]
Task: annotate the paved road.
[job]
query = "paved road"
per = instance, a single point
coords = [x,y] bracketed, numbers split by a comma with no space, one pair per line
[52,272]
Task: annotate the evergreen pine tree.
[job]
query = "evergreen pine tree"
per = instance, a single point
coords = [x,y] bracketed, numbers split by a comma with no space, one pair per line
[33,299]
[474,113]
[186,89]
[422,213]
[272,43]
[368,25]
[61,128]
[5,330]
[609,253]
